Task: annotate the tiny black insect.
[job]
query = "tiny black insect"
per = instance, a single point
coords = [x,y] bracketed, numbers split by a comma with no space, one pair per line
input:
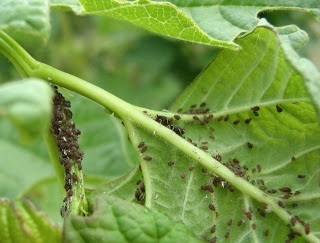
[170,163]
[236,122]
[255,113]
[213,229]
[229,222]
[226,118]
[203,104]
[191,168]
[255,108]
[147,158]
[141,144]
[301,176]
[226,235]
[239,223]
[183,175]
[247,121]
[211,207]
[254,226]
[177,117]
[266,233]
[279,109]
[144,149]
[250,145]
[259,168]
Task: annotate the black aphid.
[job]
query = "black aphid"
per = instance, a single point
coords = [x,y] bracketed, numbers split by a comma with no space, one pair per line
[255,108]
[255,113]
[239,223]
[147,158]
[213,229]
[183,175]
[203,104]
[279,109]
[266,233]
[259,168]
[226,118]
[236,122]
[229,222]
[170,163]
[191,168]
[205,148]
[226,235]
[144,149]
[211,207]
[254,226]
[141,144]
[250,145]
[177,117]
[301,176]
[247,121]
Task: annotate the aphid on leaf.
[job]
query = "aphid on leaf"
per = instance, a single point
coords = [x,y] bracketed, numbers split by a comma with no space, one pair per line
[255,113]
[203,104]
[229,222]
[213,229]
[239,223]
[141,144]
[144,149]
[279,109]
[301,176]
[259,168]
[170,163]
[147,158]
[191,168]
[254,226]
[266,233]
[226,118]
[306,229]
[250,145]
[177,117]
[247,121]
[70,193]
[226,235]
[236,122]
[255,108]
[183,175]
[211,207]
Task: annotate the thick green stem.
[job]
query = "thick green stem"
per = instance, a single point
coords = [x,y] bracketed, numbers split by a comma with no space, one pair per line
[130,113]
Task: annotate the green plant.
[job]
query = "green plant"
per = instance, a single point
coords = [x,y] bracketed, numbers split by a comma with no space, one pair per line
[235,157]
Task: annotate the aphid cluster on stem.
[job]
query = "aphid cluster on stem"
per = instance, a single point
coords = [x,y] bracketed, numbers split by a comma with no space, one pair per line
[66,135]
[140,192]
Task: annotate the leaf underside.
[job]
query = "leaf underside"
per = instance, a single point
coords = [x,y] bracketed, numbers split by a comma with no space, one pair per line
[282,138]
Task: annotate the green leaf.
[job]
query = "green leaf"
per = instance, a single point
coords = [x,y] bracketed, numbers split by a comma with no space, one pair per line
[27,104]
[277,146]
[209,22]
[162,18]
[21,222]
[22,167]
[116,220]
[25,18]
[225,20]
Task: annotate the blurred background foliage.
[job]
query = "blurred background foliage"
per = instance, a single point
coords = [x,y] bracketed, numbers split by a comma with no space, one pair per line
[140,68]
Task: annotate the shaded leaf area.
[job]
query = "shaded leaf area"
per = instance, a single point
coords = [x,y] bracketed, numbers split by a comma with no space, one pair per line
[117,220]
[26,103]
[25,18]
[162,18]
[225,20]
[22,222]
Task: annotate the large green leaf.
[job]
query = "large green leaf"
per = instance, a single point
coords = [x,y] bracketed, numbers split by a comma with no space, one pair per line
[206,22]
[20,221]
[277,145]
[162,18]
[234,16]
[116,220]
[25,17]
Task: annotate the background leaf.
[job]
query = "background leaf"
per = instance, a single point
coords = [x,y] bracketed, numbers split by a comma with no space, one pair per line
[21,222]
[25,18]
[28,106]
[117,220]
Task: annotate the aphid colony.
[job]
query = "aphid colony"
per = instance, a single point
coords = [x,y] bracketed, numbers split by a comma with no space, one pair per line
[66,135]
[200,116]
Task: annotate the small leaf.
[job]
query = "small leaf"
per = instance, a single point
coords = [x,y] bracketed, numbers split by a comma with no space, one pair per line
[25,17]
[160,17]
[116,220]
[27,104]
[21,222]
